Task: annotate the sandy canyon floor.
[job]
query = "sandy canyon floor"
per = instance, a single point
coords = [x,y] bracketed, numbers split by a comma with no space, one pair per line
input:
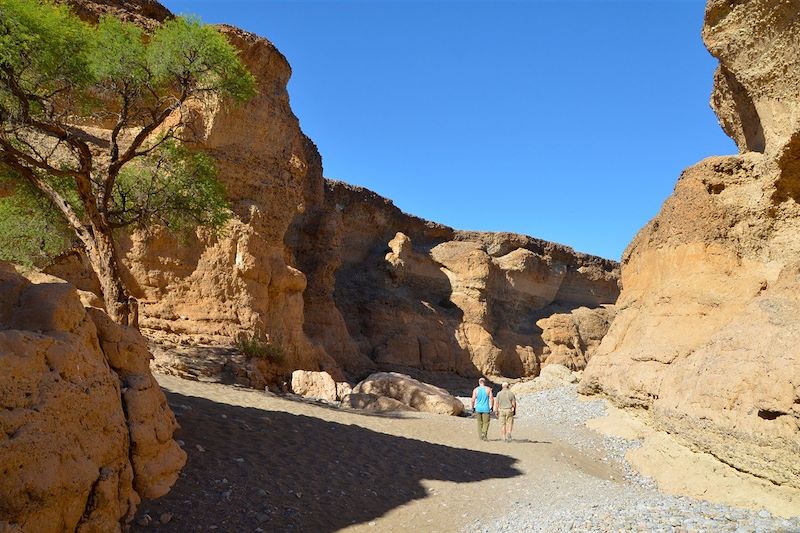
[258,462]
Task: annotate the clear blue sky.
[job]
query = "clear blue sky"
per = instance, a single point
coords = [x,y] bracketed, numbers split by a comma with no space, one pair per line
[568,121]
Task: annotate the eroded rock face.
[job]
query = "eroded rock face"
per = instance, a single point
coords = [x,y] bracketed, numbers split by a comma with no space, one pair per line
[86,430]
[407,390]
[706,332]
[412,293]
[336,275]
[755,86]
[572,338]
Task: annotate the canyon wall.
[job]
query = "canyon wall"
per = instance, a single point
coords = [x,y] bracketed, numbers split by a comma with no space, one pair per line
[412,293]
[707,328]
[85,431]
[337,276]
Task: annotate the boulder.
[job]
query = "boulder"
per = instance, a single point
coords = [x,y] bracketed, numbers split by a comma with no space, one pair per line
[371,402]
[88,432]
[551,377]
[311,384]
[343,388]
[407,390]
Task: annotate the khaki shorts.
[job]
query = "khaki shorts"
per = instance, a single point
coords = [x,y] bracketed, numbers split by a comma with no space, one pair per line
[506,415]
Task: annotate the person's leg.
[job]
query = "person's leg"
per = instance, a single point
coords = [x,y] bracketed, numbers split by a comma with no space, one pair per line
[484,425]
[510,426]
[479,418]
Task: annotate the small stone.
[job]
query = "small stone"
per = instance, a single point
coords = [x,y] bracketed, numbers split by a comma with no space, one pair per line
[165,518]
[239,460]
[144,520]
[199,448]
[262,492]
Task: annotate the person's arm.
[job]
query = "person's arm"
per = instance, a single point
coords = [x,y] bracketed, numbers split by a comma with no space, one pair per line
[491,400]
[514,406]
[474,393]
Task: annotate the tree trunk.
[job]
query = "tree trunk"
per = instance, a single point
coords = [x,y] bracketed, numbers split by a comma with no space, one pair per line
[105,263]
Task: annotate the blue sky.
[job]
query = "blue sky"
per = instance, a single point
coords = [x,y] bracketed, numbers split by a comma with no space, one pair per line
[567,121]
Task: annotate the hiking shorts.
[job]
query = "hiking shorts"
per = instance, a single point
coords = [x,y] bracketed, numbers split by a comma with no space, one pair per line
[506,416]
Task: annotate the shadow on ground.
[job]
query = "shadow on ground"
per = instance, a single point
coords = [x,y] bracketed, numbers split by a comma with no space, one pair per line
[285,472]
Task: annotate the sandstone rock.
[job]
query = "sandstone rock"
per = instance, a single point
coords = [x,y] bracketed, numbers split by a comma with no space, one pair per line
[573,337]
[552,376]
[305,260]
[343,389]
[80,447]
[318,385]
[371,402]
[706,333]
[756,84]
[415,394]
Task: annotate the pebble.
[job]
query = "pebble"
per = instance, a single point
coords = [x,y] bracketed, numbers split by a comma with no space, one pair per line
[630,504]
[144,520]
[165,518]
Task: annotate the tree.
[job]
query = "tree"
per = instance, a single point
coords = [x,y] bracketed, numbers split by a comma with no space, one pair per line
[90,119]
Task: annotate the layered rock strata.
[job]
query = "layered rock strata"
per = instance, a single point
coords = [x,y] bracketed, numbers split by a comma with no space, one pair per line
[86,431]
[707,328]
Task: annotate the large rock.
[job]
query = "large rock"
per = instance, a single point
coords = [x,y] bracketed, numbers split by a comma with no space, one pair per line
[552,376]
[86,430]
[373,403]
[707,332]
[407,390]
[572,338]
[318,385]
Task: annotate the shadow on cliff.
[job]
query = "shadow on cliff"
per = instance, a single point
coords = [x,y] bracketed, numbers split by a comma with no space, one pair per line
[251,468]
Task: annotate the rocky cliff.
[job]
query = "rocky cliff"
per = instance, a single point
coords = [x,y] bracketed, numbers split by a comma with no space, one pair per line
[85,431]
[336,276]
[707,328]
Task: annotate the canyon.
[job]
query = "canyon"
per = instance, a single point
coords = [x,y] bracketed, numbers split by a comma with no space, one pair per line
[695,331]
[336,276]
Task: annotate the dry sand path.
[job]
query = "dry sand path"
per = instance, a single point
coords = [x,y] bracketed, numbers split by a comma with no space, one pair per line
[259,462]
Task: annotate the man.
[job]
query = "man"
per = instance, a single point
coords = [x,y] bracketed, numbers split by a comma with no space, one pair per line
[505,405]
[482,405]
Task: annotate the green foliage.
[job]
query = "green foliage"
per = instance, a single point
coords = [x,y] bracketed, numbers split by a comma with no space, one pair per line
[47,46]
[58,73]
[119,54]
[175,187]
[50,51]
[185,50]
[32,231]
[254,347]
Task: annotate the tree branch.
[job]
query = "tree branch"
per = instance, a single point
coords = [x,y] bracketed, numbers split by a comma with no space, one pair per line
[53,195]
